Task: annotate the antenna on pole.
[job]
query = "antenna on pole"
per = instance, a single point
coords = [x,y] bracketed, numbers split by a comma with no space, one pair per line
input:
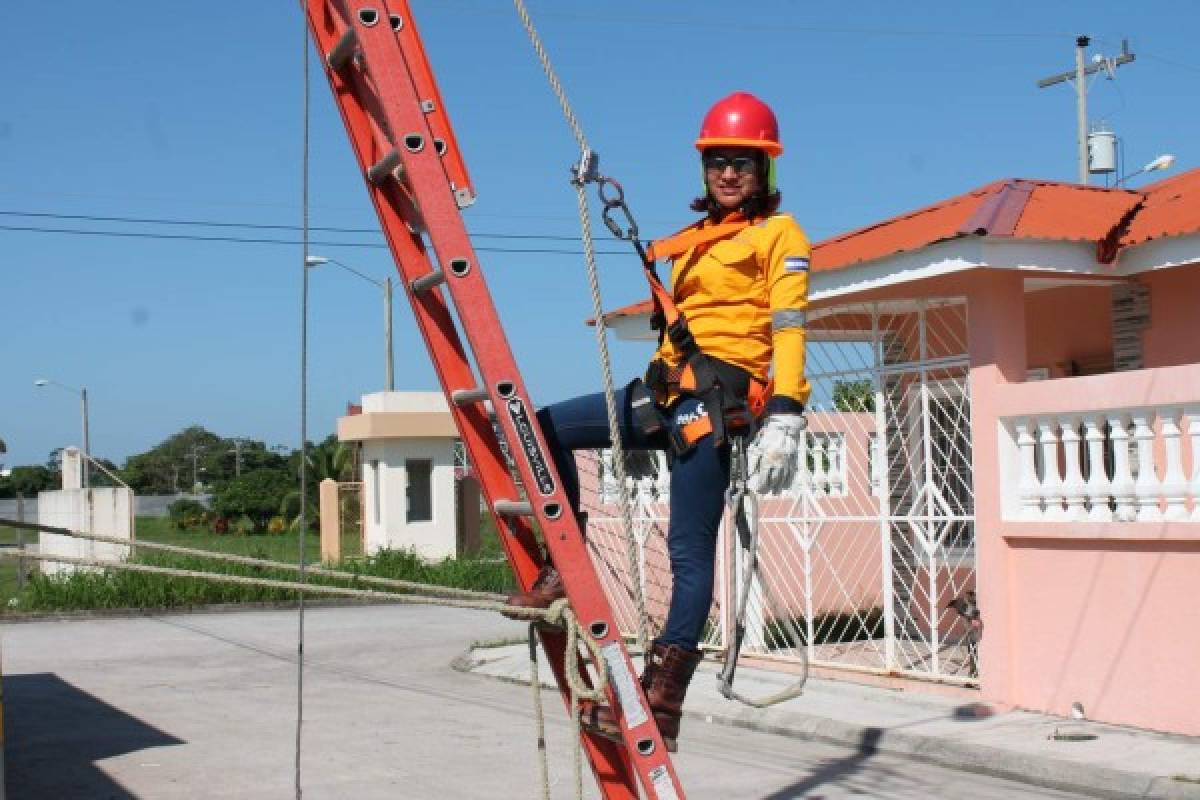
[1079,75]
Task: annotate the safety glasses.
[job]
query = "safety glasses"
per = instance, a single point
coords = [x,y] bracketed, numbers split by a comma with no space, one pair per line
[743,165]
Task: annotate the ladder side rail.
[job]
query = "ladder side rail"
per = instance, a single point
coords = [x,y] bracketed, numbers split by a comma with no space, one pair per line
[438,331]
[427,89]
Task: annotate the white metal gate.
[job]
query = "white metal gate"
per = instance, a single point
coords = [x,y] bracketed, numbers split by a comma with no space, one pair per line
[871,552]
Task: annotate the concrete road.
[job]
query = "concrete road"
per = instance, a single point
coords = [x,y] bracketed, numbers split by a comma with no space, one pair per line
[203,706]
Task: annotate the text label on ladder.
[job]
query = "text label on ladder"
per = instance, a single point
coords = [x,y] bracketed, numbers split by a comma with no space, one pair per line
[529,444]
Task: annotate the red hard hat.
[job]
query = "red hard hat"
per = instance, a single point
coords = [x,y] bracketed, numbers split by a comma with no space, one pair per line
[740,120]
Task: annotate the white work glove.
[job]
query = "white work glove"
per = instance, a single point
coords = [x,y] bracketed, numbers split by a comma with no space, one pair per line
[771,457]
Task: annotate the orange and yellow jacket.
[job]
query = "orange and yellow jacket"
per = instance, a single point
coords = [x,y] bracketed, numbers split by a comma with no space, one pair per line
[745,299]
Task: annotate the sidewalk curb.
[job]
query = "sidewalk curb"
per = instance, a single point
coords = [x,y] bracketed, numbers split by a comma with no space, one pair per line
[944,751]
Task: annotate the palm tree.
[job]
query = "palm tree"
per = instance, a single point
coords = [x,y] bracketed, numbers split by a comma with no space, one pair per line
[332,460]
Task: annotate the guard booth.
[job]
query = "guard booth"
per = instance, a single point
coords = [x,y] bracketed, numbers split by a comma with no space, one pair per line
[416,493]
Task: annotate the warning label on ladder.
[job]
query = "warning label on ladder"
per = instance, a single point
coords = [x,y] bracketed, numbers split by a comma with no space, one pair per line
[621,679]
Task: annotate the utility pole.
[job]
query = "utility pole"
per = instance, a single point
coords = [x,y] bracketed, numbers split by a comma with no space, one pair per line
[1079,75]
[195,466]
[237,458]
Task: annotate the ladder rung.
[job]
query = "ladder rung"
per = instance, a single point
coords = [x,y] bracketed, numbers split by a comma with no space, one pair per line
[465,397]
[388,166]
[343,51]
[514,508]
[427,282]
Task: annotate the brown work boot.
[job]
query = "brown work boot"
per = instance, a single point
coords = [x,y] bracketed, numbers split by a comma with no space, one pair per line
[669,670]
[547,588]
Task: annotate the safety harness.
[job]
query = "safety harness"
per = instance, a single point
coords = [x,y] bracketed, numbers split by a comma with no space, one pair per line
[732,396]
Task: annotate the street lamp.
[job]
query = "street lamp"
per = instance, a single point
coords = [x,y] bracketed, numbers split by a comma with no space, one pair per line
[1162,162]
[386,285]
[87,447]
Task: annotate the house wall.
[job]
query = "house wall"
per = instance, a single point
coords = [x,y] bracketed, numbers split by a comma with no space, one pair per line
[1092,612]
[1068,323]
[1174,298]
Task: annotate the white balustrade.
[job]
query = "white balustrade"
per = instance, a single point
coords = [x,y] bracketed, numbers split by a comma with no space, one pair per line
[1193,418]
[1151,474]
[1147,486]
[1052,487]
[1074,489]
[1098,485]
[1123,487]
[820,473]
[836,449]
[1174,482]
[1028,485]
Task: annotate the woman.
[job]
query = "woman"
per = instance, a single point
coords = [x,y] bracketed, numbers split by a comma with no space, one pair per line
[740,282]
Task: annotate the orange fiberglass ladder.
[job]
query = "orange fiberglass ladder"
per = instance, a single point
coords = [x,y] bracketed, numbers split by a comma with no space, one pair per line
[418,182]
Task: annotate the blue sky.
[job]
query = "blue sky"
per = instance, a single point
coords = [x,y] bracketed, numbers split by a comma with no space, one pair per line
[178,111]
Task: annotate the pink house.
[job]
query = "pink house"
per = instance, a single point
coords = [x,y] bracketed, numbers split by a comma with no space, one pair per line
[1006,416]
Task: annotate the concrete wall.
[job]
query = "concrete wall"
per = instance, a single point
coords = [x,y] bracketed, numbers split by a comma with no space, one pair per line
[145,505]
[108,512]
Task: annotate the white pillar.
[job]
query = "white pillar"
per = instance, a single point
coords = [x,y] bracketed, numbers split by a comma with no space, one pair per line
[1123,488]
[820,474]
[1146,487]
[1193,418]
[1098,484]
[1074,489]
[1174,483]
[72,468]
[1029,486]
[1052,485]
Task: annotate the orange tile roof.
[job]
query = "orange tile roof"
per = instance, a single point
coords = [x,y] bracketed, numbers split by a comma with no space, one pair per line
[1020,209]
[1171,208]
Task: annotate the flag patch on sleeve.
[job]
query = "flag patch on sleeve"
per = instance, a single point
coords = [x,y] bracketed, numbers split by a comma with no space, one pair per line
[795,264]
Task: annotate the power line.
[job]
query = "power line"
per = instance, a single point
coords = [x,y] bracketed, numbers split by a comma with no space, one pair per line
[205,223]
[677,21]
[290,242]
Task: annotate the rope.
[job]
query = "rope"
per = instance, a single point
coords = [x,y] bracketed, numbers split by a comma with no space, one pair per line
[589,252]
[744,504]
[257,562]
[304,173]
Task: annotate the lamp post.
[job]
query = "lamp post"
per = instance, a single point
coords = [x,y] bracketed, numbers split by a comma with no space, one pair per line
[87,447]
[1162,162]
[386,286]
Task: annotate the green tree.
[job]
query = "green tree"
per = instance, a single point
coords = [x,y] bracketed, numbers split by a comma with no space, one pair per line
[331,459]
[257,494]
[854,396]
[29,480]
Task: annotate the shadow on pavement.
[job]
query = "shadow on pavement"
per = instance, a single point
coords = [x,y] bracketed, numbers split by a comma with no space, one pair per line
[55,733]
[833,770]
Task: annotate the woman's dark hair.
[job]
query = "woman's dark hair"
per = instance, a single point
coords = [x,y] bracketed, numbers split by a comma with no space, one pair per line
[759,204]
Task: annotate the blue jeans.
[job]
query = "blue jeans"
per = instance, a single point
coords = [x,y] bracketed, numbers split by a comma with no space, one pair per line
[698,483]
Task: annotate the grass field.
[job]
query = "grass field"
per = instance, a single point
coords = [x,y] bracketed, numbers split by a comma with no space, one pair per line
[124,589]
